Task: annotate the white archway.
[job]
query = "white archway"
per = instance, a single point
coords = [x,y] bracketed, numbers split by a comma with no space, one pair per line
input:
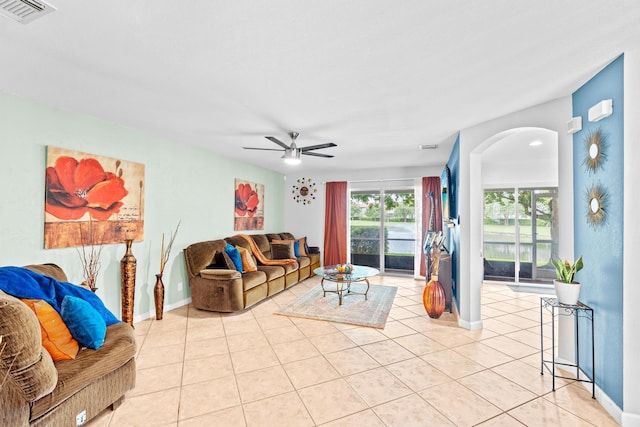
[473,142]
[521,158]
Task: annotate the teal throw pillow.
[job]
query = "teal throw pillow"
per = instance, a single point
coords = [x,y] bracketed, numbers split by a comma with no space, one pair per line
[235,256]
[296,248]
[85,324]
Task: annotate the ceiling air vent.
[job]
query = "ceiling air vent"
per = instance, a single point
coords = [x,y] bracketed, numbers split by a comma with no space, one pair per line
[24,11]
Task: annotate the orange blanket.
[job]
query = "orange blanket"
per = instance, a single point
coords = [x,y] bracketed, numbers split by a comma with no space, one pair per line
[260,256]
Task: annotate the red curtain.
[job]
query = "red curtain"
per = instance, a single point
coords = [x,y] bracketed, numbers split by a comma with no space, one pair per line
[335,223]
[430,184]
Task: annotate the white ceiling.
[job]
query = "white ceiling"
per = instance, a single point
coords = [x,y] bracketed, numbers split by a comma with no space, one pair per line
[524,146]
[376,77]
[526,157]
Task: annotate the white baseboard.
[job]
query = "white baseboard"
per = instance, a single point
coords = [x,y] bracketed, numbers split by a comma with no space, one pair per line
[152,314]
[472,326]
[463,323]
[608,404]
[630,420]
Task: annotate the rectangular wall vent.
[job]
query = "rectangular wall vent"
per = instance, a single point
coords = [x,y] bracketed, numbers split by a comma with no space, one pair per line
[24,11]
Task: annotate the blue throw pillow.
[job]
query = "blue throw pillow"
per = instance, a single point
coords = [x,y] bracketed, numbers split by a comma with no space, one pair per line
[235,256]
[85,324]
[296,248]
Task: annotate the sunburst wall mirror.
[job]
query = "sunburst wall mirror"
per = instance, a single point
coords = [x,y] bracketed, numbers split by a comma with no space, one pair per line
[596,144]
[304,191]
[596,205]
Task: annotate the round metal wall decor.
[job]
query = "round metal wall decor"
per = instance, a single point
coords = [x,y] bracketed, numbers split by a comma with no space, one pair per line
[596,144]
[596,205]
[304,191]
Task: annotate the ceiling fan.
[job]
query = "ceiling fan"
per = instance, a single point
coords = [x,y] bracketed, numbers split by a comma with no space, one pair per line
[292,152]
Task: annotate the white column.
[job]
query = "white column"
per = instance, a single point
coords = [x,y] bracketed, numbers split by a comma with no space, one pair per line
[631,254]
[565,324]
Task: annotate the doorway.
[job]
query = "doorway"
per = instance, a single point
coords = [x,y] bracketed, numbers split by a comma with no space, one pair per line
[382,229]
[520,234]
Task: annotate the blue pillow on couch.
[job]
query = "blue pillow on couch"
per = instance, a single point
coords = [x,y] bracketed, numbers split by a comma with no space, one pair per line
[85,324]
[235,256]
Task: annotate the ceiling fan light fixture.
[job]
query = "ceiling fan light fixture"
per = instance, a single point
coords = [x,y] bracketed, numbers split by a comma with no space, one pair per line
[292,153]
[292,156]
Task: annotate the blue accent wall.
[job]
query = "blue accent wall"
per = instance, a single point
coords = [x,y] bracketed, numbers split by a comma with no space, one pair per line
[453,238]
[601,246]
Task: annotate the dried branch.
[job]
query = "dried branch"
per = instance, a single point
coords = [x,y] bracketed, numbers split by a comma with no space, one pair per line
[166,251]
[435,262]
[90,257]
[436,254]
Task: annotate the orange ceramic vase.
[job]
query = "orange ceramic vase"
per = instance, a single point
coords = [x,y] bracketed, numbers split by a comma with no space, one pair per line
[433,297]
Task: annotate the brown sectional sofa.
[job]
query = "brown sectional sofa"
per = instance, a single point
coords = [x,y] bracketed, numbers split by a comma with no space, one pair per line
[41,392]
[215,287]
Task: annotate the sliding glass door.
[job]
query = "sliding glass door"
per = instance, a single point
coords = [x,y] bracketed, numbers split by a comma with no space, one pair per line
[383,229]
[500,235]
[541,233]
[520,234]
[365,229]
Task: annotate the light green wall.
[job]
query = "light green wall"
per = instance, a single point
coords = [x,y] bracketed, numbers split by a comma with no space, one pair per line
[181,183]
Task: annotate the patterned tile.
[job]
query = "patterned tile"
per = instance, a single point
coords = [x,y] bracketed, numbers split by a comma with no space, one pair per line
[254,368]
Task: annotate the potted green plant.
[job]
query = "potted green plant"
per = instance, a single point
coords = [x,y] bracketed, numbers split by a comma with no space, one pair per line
[567,289]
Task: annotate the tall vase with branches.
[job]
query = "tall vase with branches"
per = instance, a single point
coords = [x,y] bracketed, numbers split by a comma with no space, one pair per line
[433,296]
[430,236]
[158,290]
[90,257]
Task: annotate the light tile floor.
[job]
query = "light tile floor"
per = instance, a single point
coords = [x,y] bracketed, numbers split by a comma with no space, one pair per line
[196,368]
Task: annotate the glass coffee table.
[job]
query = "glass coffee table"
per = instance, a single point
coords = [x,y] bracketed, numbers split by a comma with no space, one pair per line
[343,281]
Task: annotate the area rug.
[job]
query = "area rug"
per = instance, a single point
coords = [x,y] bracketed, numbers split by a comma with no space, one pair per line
[354,309]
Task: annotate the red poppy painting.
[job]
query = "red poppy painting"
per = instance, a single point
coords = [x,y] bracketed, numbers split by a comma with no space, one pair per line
[249,206]
[87,192]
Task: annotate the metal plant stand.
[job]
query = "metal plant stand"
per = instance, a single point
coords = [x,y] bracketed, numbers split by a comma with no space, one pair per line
[577,311]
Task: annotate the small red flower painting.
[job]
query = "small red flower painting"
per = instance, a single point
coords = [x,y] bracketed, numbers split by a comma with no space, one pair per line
[249,206]
[247,200]
[89,192]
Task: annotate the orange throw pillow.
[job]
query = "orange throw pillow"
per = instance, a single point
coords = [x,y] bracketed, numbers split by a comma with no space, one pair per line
[302,248]
[248,264]
[56,337]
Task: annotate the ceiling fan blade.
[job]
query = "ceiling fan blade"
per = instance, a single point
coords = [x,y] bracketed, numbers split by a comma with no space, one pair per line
[317,154]
[264,149]
[277,141]
[319,146]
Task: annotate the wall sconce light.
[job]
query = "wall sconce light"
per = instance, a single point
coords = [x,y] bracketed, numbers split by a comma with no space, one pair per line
[574,125]
[601,110]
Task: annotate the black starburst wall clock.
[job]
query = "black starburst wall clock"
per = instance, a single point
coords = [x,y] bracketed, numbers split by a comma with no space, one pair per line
[304,191]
